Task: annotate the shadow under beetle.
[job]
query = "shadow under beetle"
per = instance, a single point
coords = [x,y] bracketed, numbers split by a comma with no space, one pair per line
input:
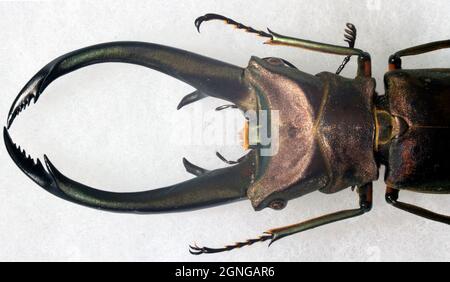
[334,132]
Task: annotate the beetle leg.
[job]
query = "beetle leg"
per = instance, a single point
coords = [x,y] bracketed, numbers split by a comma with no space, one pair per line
[278,39]
[196,250]
[364,61]
[395,61]
[365,205]
[392,196]
[364,66]
[210,17]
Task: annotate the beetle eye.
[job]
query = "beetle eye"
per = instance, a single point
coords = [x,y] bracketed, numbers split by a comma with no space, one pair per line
[279,62]
[275,61]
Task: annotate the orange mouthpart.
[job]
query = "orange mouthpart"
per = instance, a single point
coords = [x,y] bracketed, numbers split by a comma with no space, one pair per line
[244,136]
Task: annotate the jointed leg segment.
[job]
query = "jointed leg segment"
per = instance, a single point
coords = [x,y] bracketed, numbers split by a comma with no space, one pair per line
[278,39]
[395,61]
[365,205]
[392,197]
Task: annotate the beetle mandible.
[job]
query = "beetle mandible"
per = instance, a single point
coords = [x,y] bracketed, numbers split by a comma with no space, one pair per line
[334,132]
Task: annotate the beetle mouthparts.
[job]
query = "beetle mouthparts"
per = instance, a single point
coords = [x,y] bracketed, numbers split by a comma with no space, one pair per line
[210,78]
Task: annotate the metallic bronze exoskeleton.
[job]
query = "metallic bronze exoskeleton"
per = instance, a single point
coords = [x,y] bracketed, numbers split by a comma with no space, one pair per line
[334,132]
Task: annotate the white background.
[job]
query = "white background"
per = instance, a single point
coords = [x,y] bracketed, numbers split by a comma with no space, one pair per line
[115,127]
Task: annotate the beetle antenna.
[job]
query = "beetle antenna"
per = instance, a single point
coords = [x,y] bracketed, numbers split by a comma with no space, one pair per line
[350,38]
[210,17]
[196,250]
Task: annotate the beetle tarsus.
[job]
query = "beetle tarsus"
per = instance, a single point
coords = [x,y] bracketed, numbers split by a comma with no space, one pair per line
[196,250]
[210,17]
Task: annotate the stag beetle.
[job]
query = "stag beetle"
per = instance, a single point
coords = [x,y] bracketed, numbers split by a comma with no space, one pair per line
[334,132]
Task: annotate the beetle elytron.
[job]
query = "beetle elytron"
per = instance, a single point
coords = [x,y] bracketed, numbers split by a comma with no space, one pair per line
[334,132]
